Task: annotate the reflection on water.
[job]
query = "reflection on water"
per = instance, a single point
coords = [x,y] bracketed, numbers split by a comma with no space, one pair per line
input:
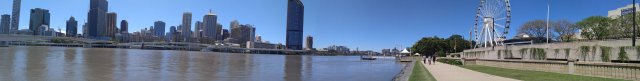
[105,64]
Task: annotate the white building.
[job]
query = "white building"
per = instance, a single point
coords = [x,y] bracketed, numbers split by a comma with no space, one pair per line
[614,14]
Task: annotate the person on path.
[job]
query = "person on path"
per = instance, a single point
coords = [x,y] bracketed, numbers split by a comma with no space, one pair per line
[433,58]
[429,59]
[424,59]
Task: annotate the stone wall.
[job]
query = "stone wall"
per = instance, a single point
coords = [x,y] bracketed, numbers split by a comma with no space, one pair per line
[606,70]
[586,51]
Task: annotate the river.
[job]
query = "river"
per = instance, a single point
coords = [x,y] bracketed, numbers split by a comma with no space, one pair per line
[28,63]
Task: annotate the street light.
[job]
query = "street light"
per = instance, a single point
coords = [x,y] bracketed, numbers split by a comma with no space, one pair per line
[633,38]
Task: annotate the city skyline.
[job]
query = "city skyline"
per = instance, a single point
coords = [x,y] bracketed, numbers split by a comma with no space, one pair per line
[319,27]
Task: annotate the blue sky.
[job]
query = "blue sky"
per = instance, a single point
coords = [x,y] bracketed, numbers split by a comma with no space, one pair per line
[363,24]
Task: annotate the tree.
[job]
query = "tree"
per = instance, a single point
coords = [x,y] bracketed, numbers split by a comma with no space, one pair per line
[429,45]
[457,44]
[622,27]
[595,27]
[564,30]
[535,28]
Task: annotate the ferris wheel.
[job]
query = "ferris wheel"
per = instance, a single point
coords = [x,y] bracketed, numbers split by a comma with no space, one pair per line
[493,18]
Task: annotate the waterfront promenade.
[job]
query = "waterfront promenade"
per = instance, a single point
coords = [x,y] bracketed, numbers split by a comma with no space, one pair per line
[446,72]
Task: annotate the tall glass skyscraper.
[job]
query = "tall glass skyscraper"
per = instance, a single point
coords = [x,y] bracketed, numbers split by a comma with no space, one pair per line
[15,16]
[295,17]
[97,19]
[186,26]
[72,27]
[210,21]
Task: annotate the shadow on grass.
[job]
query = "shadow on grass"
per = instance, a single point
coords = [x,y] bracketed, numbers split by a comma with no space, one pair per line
[527,75]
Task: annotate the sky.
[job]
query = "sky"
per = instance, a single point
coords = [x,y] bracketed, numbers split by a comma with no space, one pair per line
[358,24]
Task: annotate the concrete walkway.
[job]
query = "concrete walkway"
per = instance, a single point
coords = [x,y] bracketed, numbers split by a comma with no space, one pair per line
[446,72]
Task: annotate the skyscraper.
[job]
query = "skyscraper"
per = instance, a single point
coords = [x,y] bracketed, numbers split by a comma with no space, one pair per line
[234,24]
[243,33]
[174,33]
[209,22]
[97,18]
[309,43]
[199,30]
[85,30]
[15,13]
[295,17]
[186,26]
[72,27]
[124,26]
[218,29]
[225,34]
[110,30]
[4,24]
[158,28]
[38,18]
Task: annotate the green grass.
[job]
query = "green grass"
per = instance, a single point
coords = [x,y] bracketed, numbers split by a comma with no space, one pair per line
[420,73]
[527,75]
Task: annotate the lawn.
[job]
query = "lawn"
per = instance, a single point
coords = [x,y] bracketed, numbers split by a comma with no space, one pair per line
[527,75]
[420,73]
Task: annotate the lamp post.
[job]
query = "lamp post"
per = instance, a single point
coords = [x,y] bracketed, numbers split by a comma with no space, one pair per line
[633,38]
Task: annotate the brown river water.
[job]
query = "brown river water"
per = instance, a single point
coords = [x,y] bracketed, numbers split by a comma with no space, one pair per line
[26,63]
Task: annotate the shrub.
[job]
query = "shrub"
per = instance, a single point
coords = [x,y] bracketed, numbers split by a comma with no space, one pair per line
[606,52]
[622,56]
[584,50]
[522,51]
[450,61]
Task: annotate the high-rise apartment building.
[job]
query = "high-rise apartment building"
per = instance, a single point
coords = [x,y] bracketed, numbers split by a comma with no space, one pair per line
[97,19]
[5,27]
[158,28]
[110,30]
[38,18]
[15,16]
[124,26]
[186,25]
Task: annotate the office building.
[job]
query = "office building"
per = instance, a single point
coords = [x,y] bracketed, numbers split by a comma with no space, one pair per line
[5,26]
[186,26]
[124,26]
[242,34]
[614,14]
[225,34]
[199,30]
[295,17]
[110,30]
[72,27]
[97,19]
[158,29]
[15,16]
[234,24]
[218,33]
[173,34]
[38,18]
[309,43]
[210,21]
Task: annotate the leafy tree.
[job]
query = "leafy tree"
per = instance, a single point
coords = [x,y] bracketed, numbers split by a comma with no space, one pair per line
[595,27]
[457,44]
[429,45]
[622,27]
[535,28]
[565,30]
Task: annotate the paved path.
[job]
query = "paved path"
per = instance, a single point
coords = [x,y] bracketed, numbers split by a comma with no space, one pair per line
[446,72]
